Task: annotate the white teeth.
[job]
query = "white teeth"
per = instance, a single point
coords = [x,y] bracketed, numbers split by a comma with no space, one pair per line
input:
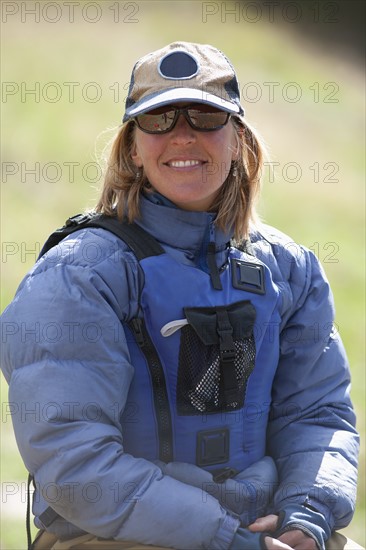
[184,163]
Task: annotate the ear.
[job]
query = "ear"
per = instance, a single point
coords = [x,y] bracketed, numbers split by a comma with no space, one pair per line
[235,153]
[235,149]
[135,156]
[237,139]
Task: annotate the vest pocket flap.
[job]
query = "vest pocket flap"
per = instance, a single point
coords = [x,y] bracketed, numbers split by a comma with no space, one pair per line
[216,357]
[205,321]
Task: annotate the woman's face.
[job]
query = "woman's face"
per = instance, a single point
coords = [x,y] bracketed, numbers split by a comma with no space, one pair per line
[187,166]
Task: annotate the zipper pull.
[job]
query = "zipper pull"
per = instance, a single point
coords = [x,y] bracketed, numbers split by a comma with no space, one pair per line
[136,326]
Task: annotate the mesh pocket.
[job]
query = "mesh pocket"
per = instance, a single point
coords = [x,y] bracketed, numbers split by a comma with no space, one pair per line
[203,367]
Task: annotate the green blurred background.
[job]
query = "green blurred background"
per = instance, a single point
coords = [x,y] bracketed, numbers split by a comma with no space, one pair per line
[65,73]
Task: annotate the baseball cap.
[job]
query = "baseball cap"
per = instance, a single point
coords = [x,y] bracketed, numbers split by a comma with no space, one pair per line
[183,71]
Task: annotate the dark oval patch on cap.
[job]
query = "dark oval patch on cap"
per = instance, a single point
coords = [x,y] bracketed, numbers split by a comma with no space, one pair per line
[178,65]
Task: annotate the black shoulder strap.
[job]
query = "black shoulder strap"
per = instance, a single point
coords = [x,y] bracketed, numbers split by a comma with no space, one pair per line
[142,243]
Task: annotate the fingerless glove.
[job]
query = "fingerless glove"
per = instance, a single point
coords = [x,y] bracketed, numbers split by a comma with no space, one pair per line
[307,520]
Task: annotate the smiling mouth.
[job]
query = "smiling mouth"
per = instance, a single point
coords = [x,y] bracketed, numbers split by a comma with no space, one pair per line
[184,163]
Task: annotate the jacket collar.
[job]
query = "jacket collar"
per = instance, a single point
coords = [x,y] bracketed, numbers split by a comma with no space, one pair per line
[182,229]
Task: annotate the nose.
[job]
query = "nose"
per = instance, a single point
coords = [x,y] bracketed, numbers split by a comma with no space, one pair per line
[182,131]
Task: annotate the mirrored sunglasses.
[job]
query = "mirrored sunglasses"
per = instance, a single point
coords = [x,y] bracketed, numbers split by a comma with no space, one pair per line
[202,118]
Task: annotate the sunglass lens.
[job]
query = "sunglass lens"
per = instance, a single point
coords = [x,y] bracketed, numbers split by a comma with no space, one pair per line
[207,120]
[156,121]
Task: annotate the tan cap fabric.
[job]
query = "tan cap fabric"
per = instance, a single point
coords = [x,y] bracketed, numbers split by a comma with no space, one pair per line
[183,71]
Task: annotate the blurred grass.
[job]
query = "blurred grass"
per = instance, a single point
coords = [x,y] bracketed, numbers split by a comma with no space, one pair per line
[327,216]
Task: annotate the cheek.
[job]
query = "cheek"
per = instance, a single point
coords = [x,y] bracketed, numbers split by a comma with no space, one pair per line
[225,144]
[143,150]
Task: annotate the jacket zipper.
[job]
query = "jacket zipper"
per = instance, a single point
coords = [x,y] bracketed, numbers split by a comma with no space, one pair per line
[160,394]
[211,259]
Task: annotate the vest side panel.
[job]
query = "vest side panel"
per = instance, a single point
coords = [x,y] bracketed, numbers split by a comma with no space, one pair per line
[140,436]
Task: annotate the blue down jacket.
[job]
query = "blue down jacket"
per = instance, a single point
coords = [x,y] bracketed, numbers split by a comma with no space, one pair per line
[69,373]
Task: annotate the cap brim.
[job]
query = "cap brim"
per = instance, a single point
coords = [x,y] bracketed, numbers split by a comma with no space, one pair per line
[181,94]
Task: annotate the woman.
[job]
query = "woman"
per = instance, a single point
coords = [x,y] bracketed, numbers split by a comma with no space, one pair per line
[185,399]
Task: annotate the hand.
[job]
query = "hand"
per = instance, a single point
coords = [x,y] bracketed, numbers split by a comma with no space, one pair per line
[269,523]
[266,523]
[249,540]
[295,539]
[302,527]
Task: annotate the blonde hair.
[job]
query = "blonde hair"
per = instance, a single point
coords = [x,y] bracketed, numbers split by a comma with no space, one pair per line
[234,204]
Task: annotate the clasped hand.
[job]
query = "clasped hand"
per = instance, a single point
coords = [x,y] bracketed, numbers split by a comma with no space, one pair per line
[247,495]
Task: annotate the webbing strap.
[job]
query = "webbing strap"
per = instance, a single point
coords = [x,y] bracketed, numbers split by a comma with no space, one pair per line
[27,516]
[227,357]
[142,243]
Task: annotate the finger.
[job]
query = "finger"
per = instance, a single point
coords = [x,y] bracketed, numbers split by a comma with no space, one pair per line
[274,544]
[266,523]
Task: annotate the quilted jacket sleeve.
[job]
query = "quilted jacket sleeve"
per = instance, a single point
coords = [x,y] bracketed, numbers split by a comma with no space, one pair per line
[311,433]
[66,359]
